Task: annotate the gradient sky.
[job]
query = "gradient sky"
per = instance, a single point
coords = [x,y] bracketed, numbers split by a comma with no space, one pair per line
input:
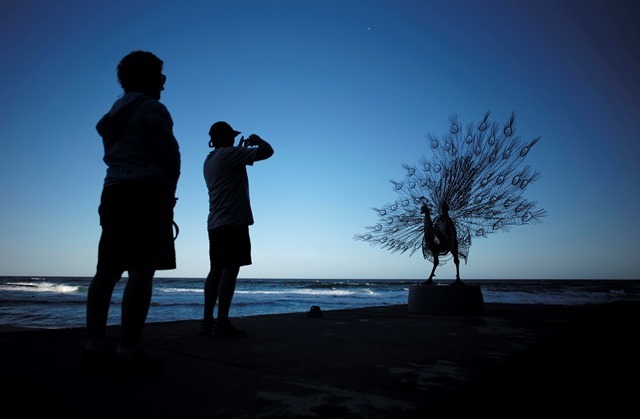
[346,91]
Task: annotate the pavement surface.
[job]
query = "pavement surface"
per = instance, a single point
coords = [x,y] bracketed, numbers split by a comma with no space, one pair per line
[377,362]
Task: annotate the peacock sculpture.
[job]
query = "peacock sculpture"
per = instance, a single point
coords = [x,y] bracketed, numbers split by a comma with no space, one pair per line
[472,186]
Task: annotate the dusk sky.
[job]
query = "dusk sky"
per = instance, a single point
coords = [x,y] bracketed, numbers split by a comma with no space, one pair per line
[346,91]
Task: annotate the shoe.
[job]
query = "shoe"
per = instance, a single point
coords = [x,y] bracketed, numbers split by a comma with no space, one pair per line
[224,329]
[97,361]
[138,365]
[206,327]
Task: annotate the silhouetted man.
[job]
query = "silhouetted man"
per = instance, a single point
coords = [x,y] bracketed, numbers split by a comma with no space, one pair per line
[136,212]
[228,223]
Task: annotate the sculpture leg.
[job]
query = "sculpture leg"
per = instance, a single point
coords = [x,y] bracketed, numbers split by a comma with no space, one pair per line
[435,265]
[456,260]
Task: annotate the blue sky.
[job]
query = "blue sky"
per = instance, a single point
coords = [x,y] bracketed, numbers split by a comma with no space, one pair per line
[346,92]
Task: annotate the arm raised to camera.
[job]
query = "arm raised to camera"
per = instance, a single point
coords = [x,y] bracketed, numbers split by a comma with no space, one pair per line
[264,148]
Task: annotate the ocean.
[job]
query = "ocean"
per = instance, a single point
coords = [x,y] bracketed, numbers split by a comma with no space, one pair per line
[59,302]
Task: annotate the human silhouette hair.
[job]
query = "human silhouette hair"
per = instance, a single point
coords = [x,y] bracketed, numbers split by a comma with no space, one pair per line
[140,71]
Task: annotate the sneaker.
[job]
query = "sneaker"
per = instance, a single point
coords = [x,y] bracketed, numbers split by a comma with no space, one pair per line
[97,361]
[138,365]
[206,327]
[224,329]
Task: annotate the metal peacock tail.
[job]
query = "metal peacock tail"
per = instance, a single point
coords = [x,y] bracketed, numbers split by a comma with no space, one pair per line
[478,172]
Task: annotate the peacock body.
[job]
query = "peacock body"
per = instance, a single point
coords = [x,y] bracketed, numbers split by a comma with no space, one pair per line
[471,186]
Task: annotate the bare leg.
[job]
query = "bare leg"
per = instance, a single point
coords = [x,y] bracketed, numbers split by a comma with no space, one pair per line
[135,305]
[211,286]
[226,291]
[98,302]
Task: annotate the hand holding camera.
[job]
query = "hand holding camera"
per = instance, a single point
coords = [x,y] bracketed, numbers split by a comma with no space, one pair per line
[251,141]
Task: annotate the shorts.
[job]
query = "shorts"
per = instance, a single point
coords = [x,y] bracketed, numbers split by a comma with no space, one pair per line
[229,246]
[137,227]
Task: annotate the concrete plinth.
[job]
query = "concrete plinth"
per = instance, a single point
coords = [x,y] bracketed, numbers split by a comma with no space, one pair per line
[449,300]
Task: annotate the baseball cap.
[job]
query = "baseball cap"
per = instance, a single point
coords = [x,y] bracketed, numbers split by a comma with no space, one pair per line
[221,129]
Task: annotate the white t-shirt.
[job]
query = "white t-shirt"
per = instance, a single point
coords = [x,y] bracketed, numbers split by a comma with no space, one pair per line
[225,172]
[138,142]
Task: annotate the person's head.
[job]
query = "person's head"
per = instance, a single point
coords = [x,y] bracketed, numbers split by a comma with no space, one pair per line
[141,71]
[222,135]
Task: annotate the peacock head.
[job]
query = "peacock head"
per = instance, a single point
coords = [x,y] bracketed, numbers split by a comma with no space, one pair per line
[425,205]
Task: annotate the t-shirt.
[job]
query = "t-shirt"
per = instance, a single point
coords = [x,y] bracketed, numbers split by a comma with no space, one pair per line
[225,172]
[138,140]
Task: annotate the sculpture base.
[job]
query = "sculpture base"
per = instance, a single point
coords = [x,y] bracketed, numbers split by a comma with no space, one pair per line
[448,300]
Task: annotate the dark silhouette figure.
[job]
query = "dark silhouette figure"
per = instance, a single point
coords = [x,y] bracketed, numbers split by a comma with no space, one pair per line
[136,212]
[228,222]
[440,238]
[472,186]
